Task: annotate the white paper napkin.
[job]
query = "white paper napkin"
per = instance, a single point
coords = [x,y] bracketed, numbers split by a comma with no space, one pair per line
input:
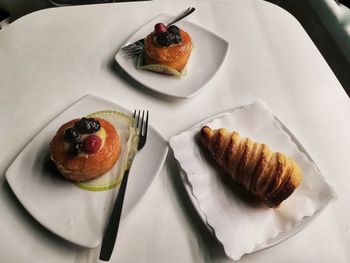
[242,227]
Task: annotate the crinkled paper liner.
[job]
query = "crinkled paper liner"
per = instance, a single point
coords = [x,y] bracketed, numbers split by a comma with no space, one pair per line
[239,225]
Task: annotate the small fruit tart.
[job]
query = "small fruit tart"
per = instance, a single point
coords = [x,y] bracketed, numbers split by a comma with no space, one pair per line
[167,50]
[85,148]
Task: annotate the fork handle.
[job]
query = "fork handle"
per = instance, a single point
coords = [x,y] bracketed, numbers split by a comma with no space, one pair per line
[114,220]
[186,13]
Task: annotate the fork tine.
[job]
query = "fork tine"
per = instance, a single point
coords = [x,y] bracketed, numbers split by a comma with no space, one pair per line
[132,53]
[141,126]
[142,123]
[136,117]
[132,50]
[146,125]
[130,46]
[138,121]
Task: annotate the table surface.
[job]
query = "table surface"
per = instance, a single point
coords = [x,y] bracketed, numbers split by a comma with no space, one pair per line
[51,58]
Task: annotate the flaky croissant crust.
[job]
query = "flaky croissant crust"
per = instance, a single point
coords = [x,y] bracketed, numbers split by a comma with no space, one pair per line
[269,176]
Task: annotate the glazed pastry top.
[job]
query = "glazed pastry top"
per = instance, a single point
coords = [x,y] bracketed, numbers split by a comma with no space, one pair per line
[167,53]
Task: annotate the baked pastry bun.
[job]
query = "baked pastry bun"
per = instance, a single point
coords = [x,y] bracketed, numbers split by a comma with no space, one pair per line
[86,148]
[268,176]
[169,48]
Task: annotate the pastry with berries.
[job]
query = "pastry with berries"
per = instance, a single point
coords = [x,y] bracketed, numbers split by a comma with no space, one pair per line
[85,148]
[167,49]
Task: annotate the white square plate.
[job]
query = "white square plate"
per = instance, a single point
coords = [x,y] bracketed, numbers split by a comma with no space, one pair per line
[205,60]
[69,211]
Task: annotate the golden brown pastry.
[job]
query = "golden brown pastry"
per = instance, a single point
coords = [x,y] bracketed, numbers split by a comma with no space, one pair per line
[269,176]
[86,148]
[170,47]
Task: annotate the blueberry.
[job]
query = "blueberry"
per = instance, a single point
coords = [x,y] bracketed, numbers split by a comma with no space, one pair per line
[178,39]
[177,36]
[163,39]
[75,148]
[94,125]
[87,125]
[172,36]
[174,29]
[71,135]
[166,39]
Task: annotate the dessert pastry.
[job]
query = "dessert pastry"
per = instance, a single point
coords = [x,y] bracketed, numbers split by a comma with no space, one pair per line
[167,49]
[269,176]
[85,148]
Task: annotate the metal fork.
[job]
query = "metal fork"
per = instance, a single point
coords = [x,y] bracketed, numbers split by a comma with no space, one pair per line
[141,125]
[137,47]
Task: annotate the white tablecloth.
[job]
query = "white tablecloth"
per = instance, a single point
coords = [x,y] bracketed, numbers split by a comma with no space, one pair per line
[51,58]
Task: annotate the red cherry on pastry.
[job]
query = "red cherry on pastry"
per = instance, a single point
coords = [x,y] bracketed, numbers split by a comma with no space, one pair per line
[160,28]
[92,144]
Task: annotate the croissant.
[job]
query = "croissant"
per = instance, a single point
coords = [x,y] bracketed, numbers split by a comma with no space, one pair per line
[269,176]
